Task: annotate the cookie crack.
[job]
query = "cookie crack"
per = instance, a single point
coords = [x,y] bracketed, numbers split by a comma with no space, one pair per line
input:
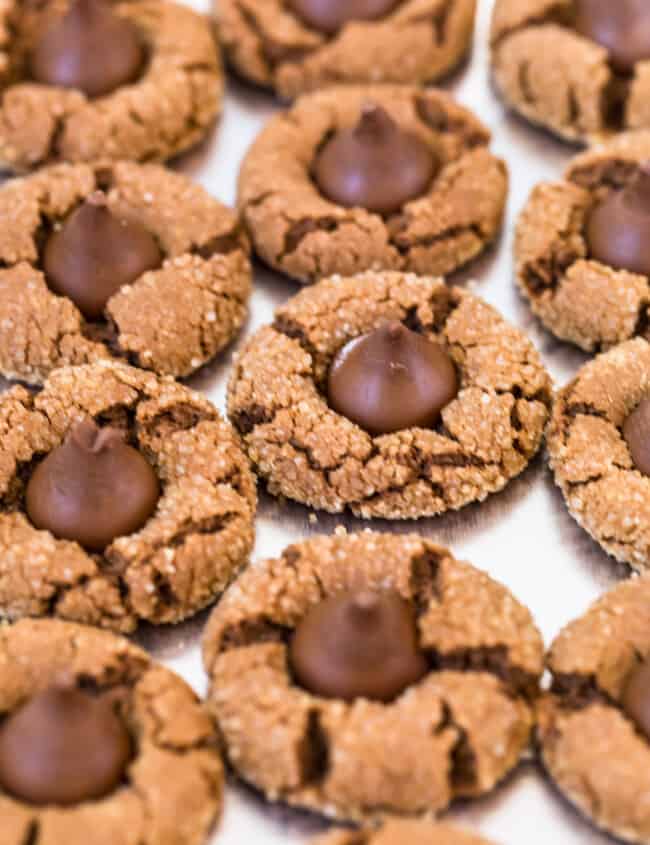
[462,758]
[33,833]
[493,660]
[404,244]
[557,13]
[577,691]
[314,751]
[300,229]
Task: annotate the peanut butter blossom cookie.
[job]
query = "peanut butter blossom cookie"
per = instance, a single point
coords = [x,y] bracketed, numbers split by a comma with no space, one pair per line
[380,176]
[580,68]
[599,444]
[594,724]
[401,832]
[125,260]
[91,728]
[389,394]
[88,79]
[582,246]
[370,674]
[123,497]
[301,45]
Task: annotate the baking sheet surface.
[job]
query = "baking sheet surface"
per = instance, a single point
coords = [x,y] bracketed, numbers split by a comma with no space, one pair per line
[523,536]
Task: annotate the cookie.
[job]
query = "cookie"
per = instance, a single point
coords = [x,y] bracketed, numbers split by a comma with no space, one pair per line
[298,47]
[455,731]
[185,552]
[175,309]
[596,445]
[398,832]
[587,282]
[165,107]
[60,682]
[550,65]
[297,230]
[592,738]
[307,451]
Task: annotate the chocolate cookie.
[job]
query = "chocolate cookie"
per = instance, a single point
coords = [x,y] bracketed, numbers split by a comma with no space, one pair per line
[399,832]
[484,389]
[582,246]
[90,79]
[302,45]
[123,497]
[375,177]
[169,268]
[580,68]
[597,441]
[593,727]
[91,728]
[454,729]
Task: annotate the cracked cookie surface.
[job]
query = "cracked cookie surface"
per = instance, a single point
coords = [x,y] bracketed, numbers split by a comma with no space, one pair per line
[296,230]
[192,546]
[559,79]
[589,746]
[169,109]
[457,732]
[576,297]
[307,452]
[400,832]
[171,320]
[418,41]
[593,466]
[169,728]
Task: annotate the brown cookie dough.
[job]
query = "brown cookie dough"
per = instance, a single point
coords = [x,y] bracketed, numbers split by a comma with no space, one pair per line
[578,298]
[589,746]
[171,320]
[169,729]
[604,491]
[307,452]
[189,550]
[298,232]
[167,110]
[456,732]
[400,832]
[416,41]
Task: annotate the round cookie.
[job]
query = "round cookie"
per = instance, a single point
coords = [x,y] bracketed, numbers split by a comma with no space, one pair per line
[299,232]
[563,79]
[590,744]
[286,47]
[578,297]
[456,732]
[306,451]
[596,455]
[167,728]
[172,319]
[200,533]
[167,108]
[400,832]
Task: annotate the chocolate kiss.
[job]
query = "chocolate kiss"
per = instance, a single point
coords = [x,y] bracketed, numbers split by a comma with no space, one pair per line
[89,48]
[636,697]
[622,27]
[391,379]
[328,16]
[618,228]
[92,488]
[636,431]
[376,165]
[95,253]
[63,747]
[358,644]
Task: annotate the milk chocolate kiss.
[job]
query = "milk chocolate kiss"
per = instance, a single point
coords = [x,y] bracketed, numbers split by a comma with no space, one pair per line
[63,746]
[89,48]
[358,644]
[92,488]
[94,254]
[391,379]
[636,697]
[636,431]
[328,16]
[375,165]
[618,228]
[622,27]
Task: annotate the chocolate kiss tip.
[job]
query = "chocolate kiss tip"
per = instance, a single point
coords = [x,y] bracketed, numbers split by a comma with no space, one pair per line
[365,601]
[374,120]
[87,435]
[98,199]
